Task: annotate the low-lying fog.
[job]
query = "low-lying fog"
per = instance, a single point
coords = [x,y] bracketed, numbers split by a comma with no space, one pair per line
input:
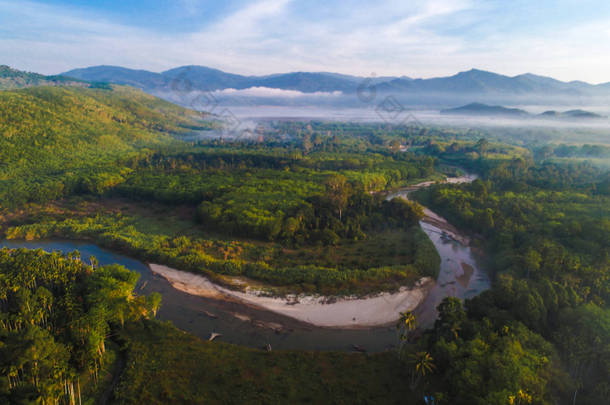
[407,116]
[371,106]
[241,110]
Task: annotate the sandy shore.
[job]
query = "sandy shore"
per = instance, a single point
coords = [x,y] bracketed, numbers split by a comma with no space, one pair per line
[348,312]
[442,224]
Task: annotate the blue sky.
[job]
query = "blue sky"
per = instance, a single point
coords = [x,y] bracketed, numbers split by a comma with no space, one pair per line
[569,40]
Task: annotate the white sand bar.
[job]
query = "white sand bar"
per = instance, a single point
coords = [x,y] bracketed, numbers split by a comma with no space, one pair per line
[345,312]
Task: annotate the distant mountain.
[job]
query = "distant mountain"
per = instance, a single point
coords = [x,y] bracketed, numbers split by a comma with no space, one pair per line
[477,84]
[15,79]
[188,78]
[571,114]
[480,109]
[202,78]
[487,83]
[310,82]
[142,79]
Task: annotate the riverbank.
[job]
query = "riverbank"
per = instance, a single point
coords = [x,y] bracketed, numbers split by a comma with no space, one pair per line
[346,312]
[449,231]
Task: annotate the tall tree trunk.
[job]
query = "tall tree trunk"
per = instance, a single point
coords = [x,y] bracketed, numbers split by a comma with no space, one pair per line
[78,387]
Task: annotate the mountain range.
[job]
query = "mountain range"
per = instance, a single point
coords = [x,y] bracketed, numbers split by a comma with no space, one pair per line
[473,81]
[203,78]
[314,88]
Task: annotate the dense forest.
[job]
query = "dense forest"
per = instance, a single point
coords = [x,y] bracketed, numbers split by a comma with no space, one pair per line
[57,141]
[252,205]
[299,208]
[56,317]
[546,230]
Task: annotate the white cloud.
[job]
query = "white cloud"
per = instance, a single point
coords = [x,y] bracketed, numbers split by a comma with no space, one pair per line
[270,92]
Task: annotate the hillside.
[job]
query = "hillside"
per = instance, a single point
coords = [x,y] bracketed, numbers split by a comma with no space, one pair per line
[15,79]
[68,137]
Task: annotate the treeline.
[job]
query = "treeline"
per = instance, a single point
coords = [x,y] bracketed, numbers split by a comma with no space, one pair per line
[240,155]
[572,151]
[372,137]
[56,314]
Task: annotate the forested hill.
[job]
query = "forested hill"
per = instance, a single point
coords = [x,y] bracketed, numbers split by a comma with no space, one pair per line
[56,139]
[16,79]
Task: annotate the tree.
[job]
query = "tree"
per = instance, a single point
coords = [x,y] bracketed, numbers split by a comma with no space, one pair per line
[407,320]
[451,315]
[543,153]
[407,213]
[307,145]
[422,364]
[405,324]
[481,146]
[395,145]
[521,398]
[532,261]
[153,302]
[337,192]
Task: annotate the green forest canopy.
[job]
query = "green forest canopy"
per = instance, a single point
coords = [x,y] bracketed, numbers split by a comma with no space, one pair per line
[544,223]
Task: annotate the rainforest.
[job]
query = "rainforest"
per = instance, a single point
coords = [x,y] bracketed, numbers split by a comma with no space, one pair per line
[303,209]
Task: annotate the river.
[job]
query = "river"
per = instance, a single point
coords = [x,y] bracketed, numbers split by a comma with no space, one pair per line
[459,276]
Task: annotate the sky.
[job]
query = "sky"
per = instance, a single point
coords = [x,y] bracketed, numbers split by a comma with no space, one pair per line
[564,39]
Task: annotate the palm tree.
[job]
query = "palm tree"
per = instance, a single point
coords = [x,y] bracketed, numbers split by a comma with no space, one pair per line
[422,364]
[406,323]
[153,302]
[521,398]
[407,320]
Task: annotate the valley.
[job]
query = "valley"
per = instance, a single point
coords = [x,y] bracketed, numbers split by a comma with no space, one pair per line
[297,246]
[283,202]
